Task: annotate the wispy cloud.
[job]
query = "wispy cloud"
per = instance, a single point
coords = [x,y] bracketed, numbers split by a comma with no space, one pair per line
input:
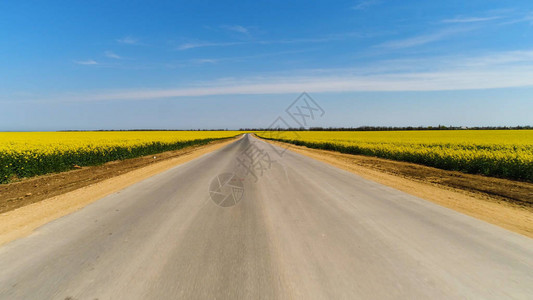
[128,40]
[205,61]
[509,58]
[193,45]
[244,58]
[504,16]
[496,70]
[328,38]
[470,19]
[112,54]
[423,39]
[86,62]
[364,4]
[236,28]
[527,18]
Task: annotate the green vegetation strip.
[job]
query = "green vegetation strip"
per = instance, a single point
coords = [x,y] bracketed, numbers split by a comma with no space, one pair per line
[503,167]
[21,165]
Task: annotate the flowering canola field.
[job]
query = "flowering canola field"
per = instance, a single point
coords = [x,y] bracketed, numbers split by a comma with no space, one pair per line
[25,154]
[499,153]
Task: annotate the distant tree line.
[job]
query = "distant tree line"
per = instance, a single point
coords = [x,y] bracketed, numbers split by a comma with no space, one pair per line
[225,129]
[360,128]
[391,128]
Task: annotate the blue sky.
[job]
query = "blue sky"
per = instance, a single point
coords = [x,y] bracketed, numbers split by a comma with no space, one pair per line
[230,64]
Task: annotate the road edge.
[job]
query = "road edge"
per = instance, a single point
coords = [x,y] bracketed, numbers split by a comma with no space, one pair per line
[23,221]
[503,214]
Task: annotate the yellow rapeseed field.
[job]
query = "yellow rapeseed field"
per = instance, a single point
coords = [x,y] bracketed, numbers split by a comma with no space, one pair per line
[24,154]
[501,153]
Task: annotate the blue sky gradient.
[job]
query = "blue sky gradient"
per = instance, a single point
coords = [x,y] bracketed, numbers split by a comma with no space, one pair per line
[219,64]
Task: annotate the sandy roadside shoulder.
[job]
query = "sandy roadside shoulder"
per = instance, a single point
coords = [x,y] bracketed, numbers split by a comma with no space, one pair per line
[490,208]
[22,221]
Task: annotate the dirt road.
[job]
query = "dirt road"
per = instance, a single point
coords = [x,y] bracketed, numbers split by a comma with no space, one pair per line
[290,227]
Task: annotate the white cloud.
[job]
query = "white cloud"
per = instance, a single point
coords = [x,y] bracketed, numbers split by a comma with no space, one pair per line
[505,16]
[328,38]
[457,80]
[470,19]
[187,46]
[112,54]
[497,70]
[528,18]
[362,5]
[515,58]
[86,62]
[423,39]
[128,40]
[236,28]
[205,61]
